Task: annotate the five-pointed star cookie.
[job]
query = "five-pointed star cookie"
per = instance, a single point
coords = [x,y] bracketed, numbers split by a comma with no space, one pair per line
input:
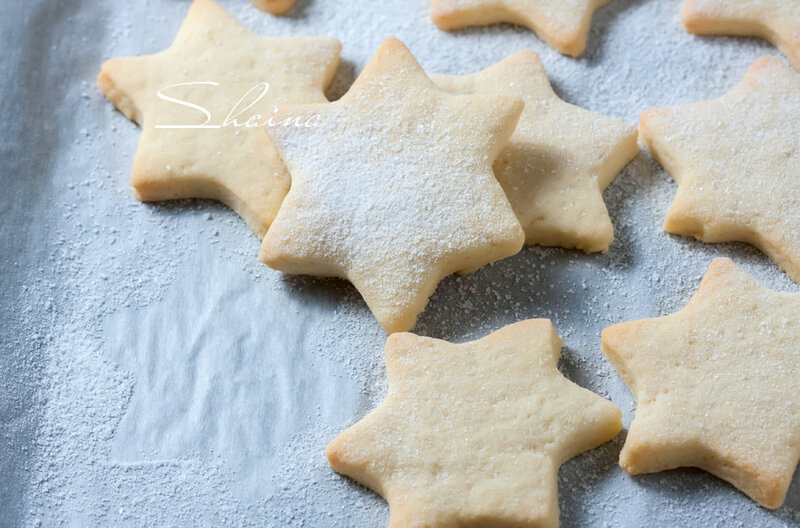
[560,158]
[777,21]
[392,187]
[737,163]
[563,24]
[473,434]
[276,7]
[717,384]
[225,66]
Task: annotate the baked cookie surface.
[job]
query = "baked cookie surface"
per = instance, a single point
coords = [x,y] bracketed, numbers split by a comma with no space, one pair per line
[221,68]
[716,384]
[560,158]
[275,7]
[737,163]
[392,187]
[777,21]
[563,24]
[473,434]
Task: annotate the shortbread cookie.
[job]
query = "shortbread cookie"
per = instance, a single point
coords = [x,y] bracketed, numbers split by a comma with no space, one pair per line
[276,7]
[560,158]
[474,434]
[563,24]
[392,187]
[716,384]
[737,163]
[777,21]
[217,64]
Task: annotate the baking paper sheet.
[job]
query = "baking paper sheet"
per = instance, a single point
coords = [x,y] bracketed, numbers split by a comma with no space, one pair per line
[154,373]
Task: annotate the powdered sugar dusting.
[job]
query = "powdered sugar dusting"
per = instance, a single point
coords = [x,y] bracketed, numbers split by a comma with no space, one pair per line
[394,189]
[80,253]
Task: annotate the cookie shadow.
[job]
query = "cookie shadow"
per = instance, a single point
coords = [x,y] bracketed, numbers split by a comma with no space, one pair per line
[622,198]
[496,29]
[331,292]
[571,367]
[537,282]
[602,20]
[299,10]
[342,81]
[682,487]
[580,477]
[790,511]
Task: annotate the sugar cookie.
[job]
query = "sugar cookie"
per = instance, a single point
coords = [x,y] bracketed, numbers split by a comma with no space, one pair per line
[737,163]
[473,434]
[275,7]
[563,24]
[225,66]
[777,21]
[560,158]
[392,188]
[716,384]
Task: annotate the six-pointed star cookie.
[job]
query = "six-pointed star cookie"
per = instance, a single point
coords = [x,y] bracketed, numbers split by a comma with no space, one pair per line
[777,21]
[560,158]
[474,434]
[564,24]
[276,7]
[717,384]
[737,163]
[234,164]
[392,187]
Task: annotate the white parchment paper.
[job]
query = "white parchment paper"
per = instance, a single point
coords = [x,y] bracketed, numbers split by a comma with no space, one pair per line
[154,373]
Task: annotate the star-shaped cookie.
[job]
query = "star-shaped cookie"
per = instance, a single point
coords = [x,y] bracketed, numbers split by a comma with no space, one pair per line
[233,75]
[276,7]
[563,24]
[392,187]
[560,158]
[737,163]
[717,384]
[473,434]
[777,21]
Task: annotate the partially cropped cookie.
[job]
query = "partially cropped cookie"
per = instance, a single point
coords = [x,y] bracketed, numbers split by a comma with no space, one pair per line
[716,385]
[563,24]
[275,7]
[473,434]
[560,158]
[221,68]
[777,21]
[392,187]
[737,163]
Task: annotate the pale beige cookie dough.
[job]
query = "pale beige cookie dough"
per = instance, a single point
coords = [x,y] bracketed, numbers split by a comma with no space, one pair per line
[473,434]
[275,7]
[392,187]
[777,21]
[737,163]
[560,158]
[717,384]
[234,164]
[563,24]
